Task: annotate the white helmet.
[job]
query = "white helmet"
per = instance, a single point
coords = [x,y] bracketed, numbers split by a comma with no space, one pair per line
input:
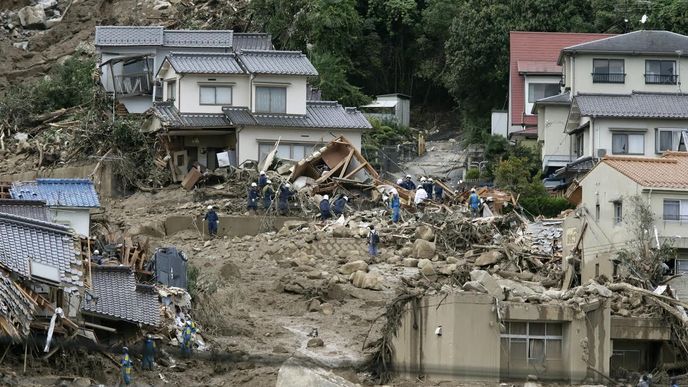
[262,172]
[430,179]
[472,189]
[210,207]
[287,185]
[346,198]
[96,252]
[399,181]
[326,197]
[269,181]
[254,185]
[423,178]
[408,176]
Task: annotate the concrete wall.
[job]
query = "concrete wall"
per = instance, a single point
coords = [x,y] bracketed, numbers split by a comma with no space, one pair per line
[604,128]
[556,144]
[634,328]
[229,225]
[78,219]
[500,123]
[248,138]
[104,180]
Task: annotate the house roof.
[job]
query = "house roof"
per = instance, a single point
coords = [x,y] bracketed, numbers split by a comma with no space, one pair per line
[563,99]
[25,240]
[319,114]
[636,42]
[277,62]
[635,105]
[538,67]
[117,296]
[172,118]
[535,51]
[58,192]
[198,38]
[204,63]
[157,36]
[252,41]
[668,171]
[33,209]
[525,133]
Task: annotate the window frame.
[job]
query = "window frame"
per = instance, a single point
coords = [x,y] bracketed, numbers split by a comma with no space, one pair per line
[215,87]
[617,215]
[528,337]
[674,77]
[271,88]
[579,144]
[627,134]
[171,84]
[605,77]
[658,131]
[308,147]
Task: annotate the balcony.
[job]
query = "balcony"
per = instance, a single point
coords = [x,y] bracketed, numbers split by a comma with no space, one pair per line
[134,84]
[608,77]
[659,79]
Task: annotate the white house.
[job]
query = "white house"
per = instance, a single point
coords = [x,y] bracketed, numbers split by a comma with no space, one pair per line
[390,107]
[69,201]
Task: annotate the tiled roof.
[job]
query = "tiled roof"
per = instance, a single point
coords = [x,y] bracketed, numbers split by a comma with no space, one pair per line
[24,240]
[535,47]
[117,296]
[129,36]
[34,209]
[635,105]
[277,62]
[172,118]
[319,114]
[198,38]
[538,67]
[668,171]
[204,63]
[15,307]
[527,133]
[252,41]
[58,192]
[636,42]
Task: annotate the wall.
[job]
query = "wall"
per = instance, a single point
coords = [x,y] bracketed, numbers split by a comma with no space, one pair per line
[634,67]
[556,148]
[78,219]
[229,225]
[189,98]
[499,123]
[296,90]
[104,180]
[249,137]
[604,128]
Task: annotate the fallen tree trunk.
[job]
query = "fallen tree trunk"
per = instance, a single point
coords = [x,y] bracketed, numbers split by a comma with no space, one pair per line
[624,286]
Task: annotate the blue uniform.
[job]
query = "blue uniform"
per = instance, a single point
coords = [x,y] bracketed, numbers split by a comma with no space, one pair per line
[474,202]
[262,181]
[372,242]
[212,218]
[126,369]
[186,339]
[148,354]
[408,184]
[325,209]
[252,198]
[285,194]
[396,205]
[428,188]
[268,195]
[338,207]
[439,192]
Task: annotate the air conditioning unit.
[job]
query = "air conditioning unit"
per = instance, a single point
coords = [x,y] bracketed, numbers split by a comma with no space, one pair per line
[601,153]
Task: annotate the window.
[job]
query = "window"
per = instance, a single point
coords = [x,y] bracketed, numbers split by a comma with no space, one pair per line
[291,151]
[628,144]
[215,95]
[671,139]
[660,72]
[579,144]
[618,212]
[675,210]
[536,342]
[271,99]
[538,91]
[171,90]
[608,71]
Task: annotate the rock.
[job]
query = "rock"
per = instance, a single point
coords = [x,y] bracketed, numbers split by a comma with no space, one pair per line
[21,45]
[315,342]
[474,286]
[314,274]
[327,309]
[206,243]
[230,270]
[489,258]
[354,266]
[452,260]
[279,349]
[595,288]
[32,17]
[488,282]
[47,3]
[448,269]
[624,313]
[335,291]
[428,270]
[406,251]
[425,232]
[314,305]
[50,23]
[554,294]
[363,280]
[341,232]
[153,229]
[297,372]
[409,262]
[394,260]
[423,249]
[424,262]
[520,288]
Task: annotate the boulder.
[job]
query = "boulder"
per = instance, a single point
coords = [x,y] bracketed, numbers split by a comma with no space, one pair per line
[314,305]
[32,17]
[428,270]
[474,286]
[326,308]
[409,262]
[363,280]
[295,224]
[393,260]
[315,342]
[424,262]
[406,251]
[354,266]
[425,232]
[448,269]
[488,282]
[423,249]
[595,288]
[341,232]
[452,260]
[489,258]
[297,372]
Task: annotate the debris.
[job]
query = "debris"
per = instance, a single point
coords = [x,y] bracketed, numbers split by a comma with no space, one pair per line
[423,249]
[354,266]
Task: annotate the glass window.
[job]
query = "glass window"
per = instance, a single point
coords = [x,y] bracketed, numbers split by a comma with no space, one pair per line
[553,329]
[517,328]
[608,71]
[271,99]
[536,329]
[632,144]
[207,95]
[536,350]
[618,213]
[672,209]
[215,95]
[673,139]
[171,90]
[660,72]
[298,152]
[538,91]
[553,349]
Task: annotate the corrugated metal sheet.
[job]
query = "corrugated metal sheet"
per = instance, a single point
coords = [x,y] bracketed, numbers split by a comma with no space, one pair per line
[172,118]
[636,105]
[319,114]
[252,41]
[34,209]
[198,38]
[277,62]
[204,63]
[129,36]
[117,296]
[58,192]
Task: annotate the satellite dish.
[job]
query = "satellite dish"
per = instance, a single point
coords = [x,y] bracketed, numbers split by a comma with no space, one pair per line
[643,19]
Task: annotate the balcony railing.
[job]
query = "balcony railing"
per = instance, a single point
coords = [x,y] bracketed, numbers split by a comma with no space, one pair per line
[659,79]
[608,77]
[134,84]
[675,218]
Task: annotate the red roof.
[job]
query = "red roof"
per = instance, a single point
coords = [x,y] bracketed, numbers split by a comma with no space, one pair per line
[533,51]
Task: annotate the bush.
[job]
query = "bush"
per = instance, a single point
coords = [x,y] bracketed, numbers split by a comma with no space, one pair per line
[545,205]
[473,173]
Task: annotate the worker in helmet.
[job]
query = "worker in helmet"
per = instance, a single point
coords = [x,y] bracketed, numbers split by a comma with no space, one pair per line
[268,195]
[253,198]
[474,203]
[262,180]
[127,366]
[96,257]
[213,221]
[284,195]
[325,208]
[148,353]
[340,205]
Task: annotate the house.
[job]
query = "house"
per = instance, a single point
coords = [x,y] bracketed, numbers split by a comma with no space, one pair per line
[130,56]
[70,201]
[394,108]
[625,98]
[534,74]
[244,103]
[33,209]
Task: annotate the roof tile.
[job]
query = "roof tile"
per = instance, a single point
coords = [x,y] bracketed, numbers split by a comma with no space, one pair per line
[172,118]
[204,63]
[319,114]
[34,209]
[198,38]
[635,105]
[58,192]
[668,171]
[644,41]
[252,41]
[277,62]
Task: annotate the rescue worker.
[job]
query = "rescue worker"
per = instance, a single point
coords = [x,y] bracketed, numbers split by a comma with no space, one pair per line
[421,196]
[439,192]
[284,195]
[253,198]
[96,257]
[325,208]
[428,187]
[400,183]
[268,195]
[186,345]
[262,180]
[395,203]
[213,220]
[409,184]
[474,203]
[339,205]
[373,240]
[126,366]
[148,353]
